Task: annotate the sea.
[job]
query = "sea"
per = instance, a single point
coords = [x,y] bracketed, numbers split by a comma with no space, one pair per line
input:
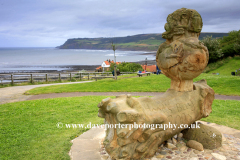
[37,59]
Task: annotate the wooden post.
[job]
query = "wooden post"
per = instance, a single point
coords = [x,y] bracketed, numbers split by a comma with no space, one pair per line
[70,76]
[12,79]
[60,77]
[80,76]
[107,74]
[31,78]
[46,78]
[95,74]
[88,75]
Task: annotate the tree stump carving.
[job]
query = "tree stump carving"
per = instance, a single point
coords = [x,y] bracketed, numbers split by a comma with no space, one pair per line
[137,126]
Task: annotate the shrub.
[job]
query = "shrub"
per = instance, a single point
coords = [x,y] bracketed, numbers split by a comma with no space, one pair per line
[231,44]
[127,67]
[237,44]
[213,45]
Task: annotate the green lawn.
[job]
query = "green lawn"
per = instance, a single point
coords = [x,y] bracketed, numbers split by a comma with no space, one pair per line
[226,66]
[225,112]
[28,129]
[221,84]
[227,85]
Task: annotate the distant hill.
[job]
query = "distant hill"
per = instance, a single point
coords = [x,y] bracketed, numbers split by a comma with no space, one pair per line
[140,42]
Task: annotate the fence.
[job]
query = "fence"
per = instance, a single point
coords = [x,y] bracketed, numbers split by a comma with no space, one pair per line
[47,77]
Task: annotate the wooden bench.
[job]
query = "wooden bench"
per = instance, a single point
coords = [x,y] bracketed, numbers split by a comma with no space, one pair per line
[102,77]
[147,73]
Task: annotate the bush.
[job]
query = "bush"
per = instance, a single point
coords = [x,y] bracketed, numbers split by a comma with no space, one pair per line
[228,50]
[237,44]
[231,44]
[213,45]
[127,67]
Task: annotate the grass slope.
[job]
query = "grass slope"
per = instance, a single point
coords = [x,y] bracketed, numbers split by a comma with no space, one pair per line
[28,129]
[231,65]
[226,85]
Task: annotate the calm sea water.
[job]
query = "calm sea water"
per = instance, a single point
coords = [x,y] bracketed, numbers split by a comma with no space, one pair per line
[20,59]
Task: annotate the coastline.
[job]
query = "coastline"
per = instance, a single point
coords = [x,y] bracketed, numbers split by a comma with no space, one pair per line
[53,69]
[67,68]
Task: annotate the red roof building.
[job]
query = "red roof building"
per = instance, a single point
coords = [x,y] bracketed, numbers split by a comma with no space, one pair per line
[105,65]
[151,68]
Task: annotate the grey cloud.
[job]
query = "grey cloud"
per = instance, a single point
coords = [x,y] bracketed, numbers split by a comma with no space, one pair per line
[51,22]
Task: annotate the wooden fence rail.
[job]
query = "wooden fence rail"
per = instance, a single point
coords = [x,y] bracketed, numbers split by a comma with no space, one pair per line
[47,77]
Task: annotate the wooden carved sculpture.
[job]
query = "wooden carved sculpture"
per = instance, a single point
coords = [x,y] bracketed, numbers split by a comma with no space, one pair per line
[182,57]
[147,121]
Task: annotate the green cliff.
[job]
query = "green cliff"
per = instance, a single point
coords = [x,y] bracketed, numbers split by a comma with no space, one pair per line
[141,42]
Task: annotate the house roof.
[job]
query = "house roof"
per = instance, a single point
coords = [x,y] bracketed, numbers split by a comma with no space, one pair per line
[107,63]
[151,68]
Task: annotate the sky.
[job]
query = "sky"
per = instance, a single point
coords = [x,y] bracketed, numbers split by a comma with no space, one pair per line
[49,23]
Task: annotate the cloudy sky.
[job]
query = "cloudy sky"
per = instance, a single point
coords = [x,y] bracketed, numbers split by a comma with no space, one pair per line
[49,23]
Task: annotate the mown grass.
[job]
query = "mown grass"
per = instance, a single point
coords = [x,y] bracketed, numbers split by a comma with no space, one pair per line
[231,66]
[226,85]
[224,66]
[225,112]
[221,84]
[137,84]
[28,129]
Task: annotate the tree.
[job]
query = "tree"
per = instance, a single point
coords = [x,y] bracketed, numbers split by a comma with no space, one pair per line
[231,44]
[114,49]
[237,44]
[127,67]
[214,49]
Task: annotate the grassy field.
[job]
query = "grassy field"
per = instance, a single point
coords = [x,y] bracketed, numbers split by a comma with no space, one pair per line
[225,112]
[225,66]
[28,129]
[226,85]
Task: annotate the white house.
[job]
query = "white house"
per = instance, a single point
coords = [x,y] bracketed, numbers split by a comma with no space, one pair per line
[105,65]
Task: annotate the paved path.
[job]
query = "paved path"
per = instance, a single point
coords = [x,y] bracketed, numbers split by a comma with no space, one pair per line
[77,94]
[15,93]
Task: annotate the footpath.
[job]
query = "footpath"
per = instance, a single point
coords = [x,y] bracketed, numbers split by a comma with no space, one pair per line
[16,93]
